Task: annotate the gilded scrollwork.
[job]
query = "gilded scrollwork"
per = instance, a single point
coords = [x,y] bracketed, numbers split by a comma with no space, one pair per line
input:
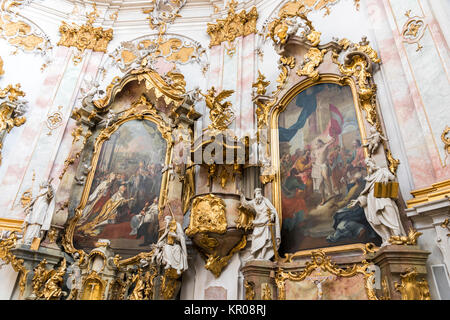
[216,264]
[8,257]
[233,26]
[86,36]
[413,30]
[409,240]
[313,58]
[207,215]
[410,288]
[249,290]
[320,261]
[46,283]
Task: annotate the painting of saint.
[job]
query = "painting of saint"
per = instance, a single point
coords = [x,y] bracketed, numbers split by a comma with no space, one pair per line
[122,204]
[322,169]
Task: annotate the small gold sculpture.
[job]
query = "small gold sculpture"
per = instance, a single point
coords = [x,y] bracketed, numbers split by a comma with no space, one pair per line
[220,114]
[409,240]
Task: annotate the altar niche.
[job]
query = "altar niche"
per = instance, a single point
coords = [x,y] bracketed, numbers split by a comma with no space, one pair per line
[321,166]
[121,200]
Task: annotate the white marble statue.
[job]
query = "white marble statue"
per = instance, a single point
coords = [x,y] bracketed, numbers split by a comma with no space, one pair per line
[39,213]
[374,140]
[266,226]
[381,213]
[170,250]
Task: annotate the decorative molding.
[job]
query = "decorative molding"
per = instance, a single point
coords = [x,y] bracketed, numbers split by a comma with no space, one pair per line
[171,47]
[24,35]
[207,215]
[164,12]
[86,36]
[410,288]
[413,30]
[14,225]
[320,261]
[6,255]
[437,191]
[233,26]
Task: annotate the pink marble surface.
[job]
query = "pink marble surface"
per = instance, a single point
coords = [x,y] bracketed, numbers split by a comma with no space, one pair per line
[18,162]
[422,156]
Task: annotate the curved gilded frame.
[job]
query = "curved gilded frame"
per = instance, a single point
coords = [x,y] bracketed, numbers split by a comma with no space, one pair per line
[134,113]
[319,260]
[274,136]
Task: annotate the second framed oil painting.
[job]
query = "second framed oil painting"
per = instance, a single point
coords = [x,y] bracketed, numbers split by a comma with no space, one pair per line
[123,198]
[321,170]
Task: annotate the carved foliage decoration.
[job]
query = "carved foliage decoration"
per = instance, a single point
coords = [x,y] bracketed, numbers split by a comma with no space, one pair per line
[172,48]
[414,30]
[233,26]
[207,215]
[23,34]
[85,36]
[412,289]
[8,257]
[320,261]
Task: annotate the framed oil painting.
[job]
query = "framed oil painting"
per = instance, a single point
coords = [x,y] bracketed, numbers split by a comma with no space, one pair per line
[122,202]
[321,162]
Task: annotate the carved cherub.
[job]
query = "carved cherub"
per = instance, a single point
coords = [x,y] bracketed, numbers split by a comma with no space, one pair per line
[220,114]
[374,140]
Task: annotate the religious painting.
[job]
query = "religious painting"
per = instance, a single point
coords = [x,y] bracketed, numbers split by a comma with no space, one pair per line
[122,202]
[321,170]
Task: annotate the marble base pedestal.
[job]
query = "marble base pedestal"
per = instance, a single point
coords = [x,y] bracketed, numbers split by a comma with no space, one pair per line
[395,260]
[260,274]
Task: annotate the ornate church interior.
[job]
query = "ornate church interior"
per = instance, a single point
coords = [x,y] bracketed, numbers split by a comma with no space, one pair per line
[224,150]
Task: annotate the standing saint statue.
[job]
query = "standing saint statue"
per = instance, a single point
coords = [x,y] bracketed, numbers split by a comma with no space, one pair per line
[266,226]
[381,213]
[39,213]
[170,250]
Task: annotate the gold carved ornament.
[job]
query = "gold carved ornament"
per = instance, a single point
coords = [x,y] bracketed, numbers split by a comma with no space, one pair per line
[249,290]
[220,113]
[265,105]
[169,283]
[446,141]
[2,72]
[144,285]
[413,30]
[233,26]
[23,34]
[47,284]
[215,264]
[140,109]
[171,88]
[93,287]
[408,240]
[86,36]
[410,288]
[207,215]
[319,260]
[266,292]
[9,258]
[9,118]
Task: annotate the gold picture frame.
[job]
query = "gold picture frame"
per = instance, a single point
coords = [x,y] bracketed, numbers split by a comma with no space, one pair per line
[141,109]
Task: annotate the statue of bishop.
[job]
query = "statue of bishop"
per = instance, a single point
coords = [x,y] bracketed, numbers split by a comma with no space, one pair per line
[39,214]
[266,226]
